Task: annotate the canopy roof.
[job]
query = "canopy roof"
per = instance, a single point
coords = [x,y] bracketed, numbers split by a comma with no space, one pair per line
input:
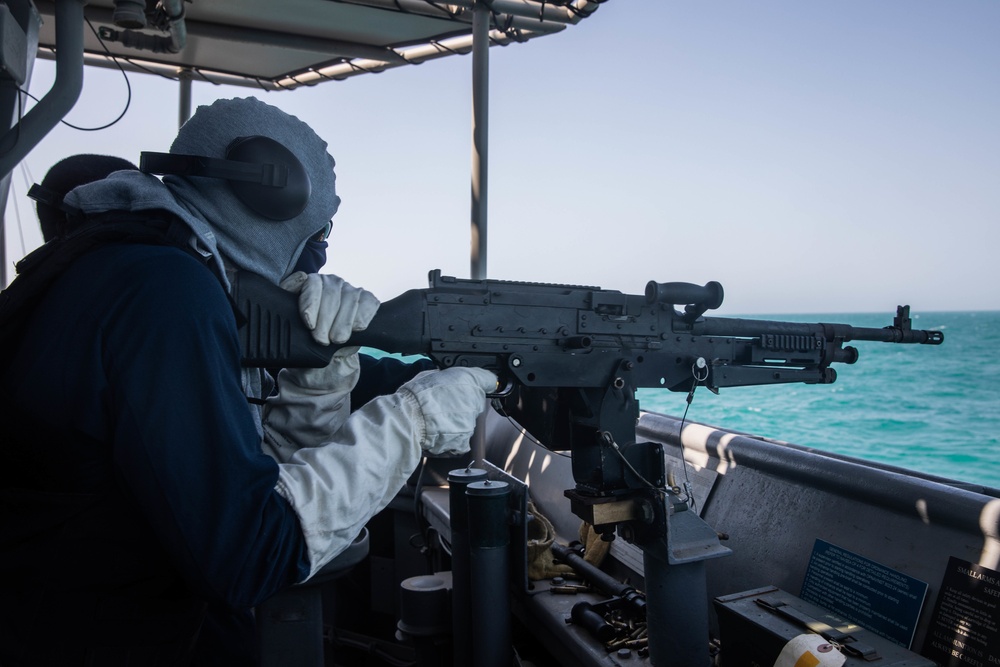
[287,43]
[269,44]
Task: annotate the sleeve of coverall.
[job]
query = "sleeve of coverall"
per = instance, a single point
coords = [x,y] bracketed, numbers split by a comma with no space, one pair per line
[312,403]
[338,487]
[310,406]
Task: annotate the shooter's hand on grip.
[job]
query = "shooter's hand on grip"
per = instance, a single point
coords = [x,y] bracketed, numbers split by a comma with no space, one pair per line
[448,402]
[332,308]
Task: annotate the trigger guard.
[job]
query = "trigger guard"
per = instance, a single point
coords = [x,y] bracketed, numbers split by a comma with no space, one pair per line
[502,393]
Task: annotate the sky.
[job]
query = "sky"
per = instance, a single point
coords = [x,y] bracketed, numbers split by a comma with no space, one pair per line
[813,157]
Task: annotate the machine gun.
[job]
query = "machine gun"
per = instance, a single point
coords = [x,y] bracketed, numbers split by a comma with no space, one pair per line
[533,333]
[572,337]
[569,359]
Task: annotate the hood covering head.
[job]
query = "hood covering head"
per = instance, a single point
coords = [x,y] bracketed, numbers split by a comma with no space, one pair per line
[245,239]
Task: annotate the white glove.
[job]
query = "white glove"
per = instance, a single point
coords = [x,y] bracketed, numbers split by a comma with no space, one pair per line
[337,487]
[310,407]
[332,308]
[313,403]
[449,402]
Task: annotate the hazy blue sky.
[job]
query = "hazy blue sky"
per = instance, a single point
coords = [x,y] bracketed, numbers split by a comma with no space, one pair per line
[811,156]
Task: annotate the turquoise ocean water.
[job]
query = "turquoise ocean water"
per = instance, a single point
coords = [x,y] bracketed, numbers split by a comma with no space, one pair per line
[934,409]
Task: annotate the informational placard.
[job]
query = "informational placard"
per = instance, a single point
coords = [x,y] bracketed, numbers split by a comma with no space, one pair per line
[876,597]
[964,626]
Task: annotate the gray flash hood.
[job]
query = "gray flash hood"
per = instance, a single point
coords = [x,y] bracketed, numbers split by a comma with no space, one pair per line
[221,223]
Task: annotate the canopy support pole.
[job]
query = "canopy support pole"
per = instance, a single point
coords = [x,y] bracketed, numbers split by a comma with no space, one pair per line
[480,135]
[184,77]
[20,134]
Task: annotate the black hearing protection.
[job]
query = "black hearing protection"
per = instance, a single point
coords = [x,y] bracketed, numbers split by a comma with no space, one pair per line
[250,162]
[58,212]
[47,196]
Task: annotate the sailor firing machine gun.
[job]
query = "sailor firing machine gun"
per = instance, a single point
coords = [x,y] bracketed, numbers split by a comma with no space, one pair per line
[570,359]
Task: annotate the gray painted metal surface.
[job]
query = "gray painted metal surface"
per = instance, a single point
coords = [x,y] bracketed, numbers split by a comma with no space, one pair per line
[772,501]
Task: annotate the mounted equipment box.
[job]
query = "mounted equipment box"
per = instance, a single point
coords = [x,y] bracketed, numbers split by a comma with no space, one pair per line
[756,625]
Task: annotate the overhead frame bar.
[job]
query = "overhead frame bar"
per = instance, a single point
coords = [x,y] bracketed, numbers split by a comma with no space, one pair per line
[536,11]
[413,55]
[515,21]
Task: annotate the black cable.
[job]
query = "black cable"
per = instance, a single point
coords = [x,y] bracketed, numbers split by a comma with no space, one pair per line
[500,411]
[695,380]
[423,525]
[128,86]
[610,441]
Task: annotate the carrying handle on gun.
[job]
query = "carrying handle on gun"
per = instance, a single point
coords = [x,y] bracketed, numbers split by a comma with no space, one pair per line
[696,298]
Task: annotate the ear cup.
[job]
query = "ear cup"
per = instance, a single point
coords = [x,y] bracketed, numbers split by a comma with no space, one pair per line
[289,191]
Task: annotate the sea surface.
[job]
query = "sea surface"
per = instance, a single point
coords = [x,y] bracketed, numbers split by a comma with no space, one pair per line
[935,409]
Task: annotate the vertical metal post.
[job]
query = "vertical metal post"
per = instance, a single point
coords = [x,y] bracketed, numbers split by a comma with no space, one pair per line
[673,566]
[18,141]
[184,101]
[678,633]
[489,570]
[19,134]
[480,135]
[461,581]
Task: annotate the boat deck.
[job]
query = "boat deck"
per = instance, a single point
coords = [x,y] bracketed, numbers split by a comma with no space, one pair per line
[774,503]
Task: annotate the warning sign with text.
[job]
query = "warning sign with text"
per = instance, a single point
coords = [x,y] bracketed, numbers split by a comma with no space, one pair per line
[876,597]
[964,626]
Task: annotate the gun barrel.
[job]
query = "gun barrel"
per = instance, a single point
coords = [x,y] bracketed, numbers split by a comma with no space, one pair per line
[718,326]
[897,335]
